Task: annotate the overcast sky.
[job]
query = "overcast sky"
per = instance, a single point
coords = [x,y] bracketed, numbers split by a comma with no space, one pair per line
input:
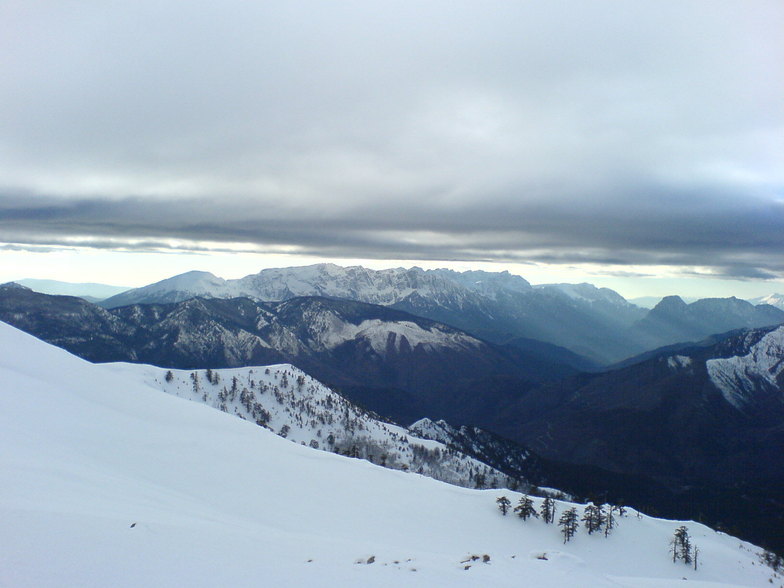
[586,140]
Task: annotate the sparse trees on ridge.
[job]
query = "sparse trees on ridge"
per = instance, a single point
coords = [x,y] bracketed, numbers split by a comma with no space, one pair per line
[603,518]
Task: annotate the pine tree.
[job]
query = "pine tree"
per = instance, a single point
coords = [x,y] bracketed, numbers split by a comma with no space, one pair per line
[503,503]
[680,545]
[593,518]
[525,508]
[548,510]
[169,376]
[609,519]
[569,523]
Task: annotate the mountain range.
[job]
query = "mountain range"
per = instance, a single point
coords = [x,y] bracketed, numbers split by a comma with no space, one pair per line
[401,365]
[595,323]
[689,423]
[498,307]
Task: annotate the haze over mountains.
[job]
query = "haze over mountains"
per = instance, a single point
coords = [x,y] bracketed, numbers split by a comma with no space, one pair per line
[90,291]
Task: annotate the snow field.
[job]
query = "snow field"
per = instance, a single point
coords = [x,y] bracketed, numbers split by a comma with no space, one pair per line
[105,481]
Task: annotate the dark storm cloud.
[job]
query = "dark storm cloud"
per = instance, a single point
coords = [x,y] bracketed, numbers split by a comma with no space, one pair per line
[619,133]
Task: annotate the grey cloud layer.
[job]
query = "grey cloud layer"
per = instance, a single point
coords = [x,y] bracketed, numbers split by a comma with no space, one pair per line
[612,132]
[741,242]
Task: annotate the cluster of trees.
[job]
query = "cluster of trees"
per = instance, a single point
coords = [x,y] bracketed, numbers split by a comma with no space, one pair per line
[682,549]
[602,519]
[595,518]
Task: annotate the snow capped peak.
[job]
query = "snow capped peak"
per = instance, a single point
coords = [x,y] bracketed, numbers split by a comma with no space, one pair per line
[776,300]
[174,289]
[438,430]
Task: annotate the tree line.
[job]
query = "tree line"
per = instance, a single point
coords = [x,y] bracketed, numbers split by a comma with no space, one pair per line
[595,519]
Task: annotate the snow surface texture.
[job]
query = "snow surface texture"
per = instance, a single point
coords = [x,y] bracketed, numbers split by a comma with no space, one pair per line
[738,378]
[106,481]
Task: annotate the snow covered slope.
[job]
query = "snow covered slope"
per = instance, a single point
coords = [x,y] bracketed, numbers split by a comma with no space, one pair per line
[742,379]
[297,407]
[105,481]
[176,289]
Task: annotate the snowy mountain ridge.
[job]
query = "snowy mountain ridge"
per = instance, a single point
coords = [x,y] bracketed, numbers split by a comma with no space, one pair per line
[497,306]
[289,402]
[384,287]
[742,378]
[596,323]
[112,483]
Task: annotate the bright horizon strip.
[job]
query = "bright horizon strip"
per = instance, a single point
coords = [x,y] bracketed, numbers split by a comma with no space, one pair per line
[135,269]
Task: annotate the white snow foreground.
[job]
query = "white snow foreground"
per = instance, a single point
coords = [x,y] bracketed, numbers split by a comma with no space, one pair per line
[105,481]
